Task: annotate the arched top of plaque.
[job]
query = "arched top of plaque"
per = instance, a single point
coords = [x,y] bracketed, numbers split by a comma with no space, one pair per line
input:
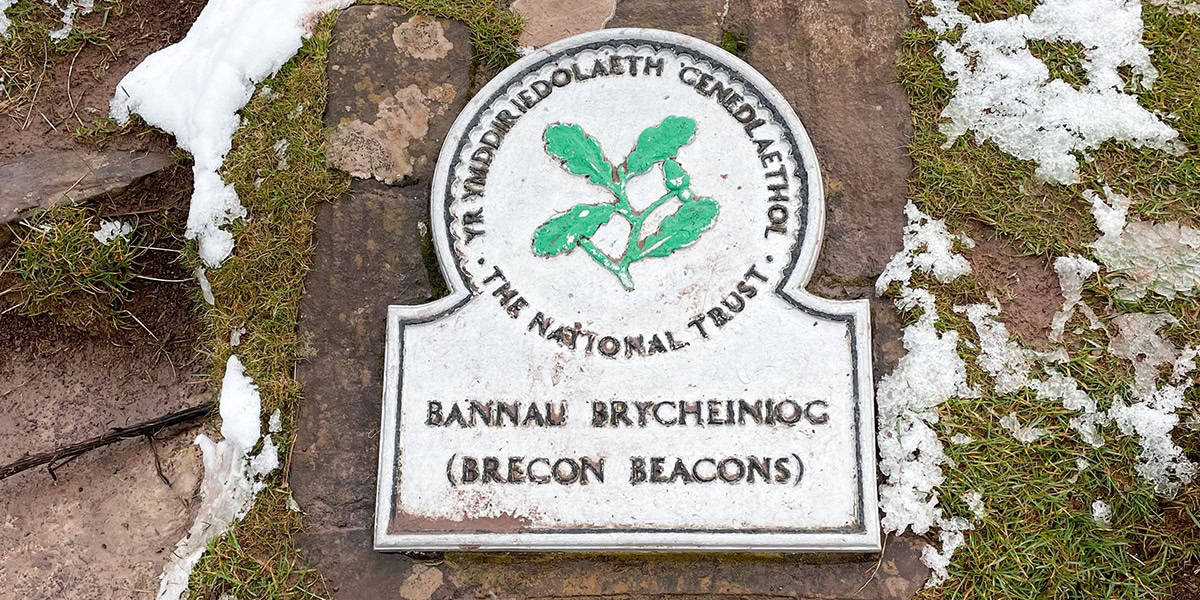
[627,219]
[558,161]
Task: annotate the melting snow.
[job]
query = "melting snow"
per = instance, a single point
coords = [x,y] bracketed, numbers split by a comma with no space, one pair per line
[1072,272]
[1005,93]
[194,89]
[111,230]
[71,11]
[232,476]
[911,456]
[1153,416]
[974,501]
[1102,513]
[1162,258]
[205,286]
[1178,7]
[1026,434]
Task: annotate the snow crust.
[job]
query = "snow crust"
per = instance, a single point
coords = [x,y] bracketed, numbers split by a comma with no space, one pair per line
[1026,434]
[974,502]
[5,22]
[205,286]
[911,456]
[1005,94]
[1153,416]
[1072,272]
[195,88]
[1178,7]
[1102,513]
[1163,258]
[233,475]
[111,230]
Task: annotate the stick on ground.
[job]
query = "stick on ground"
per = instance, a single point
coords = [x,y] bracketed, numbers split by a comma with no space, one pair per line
[64,454]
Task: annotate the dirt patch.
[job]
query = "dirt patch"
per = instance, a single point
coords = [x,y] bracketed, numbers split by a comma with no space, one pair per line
[106,525]
[131,31]
[1026,287]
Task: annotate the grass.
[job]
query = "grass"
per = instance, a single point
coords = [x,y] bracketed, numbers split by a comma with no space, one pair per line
[60,269]
[260,286]
[1038,539]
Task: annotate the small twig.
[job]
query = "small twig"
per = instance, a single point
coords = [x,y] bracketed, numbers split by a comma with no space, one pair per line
[139,322]
[68,453]
[130,213]
[147,277]
[878,563]
[70,71]
[157,462]
[36,89]
[48,121]
[152,248]
[76,183]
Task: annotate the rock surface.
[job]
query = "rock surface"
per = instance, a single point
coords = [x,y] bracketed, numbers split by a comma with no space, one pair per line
[43,179]
[833,61]
[391,76]
[552,20]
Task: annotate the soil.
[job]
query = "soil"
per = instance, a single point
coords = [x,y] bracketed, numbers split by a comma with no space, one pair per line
[1027,287]
[130,32]
[103,525]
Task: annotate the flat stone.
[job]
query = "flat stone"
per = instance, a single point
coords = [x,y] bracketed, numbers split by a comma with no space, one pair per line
[704,19]
[392,77]
[41,180]
[552,20]
[835,61]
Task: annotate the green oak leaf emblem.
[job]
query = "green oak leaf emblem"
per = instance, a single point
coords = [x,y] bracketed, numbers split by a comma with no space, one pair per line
[580,154]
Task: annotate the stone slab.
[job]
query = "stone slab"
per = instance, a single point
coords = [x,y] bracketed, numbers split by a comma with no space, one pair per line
[393,78]
[43,179]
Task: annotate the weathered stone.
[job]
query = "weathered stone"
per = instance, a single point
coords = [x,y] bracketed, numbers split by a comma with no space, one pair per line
[835,61]
[368,256]
[44,179]
[704,19]
[392,76]
[551,20]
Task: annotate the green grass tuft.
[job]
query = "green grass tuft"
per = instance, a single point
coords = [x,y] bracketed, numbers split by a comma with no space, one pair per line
[60,269]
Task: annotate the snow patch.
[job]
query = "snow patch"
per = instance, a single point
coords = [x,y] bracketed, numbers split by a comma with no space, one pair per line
[1154,415]
[1178,7]
[974,501]
[961,438]
[1102,513]
[72,10]
[911,456]
[928,247]
[1163,258]
[281,151]
[235,337]
[195,88]
[1026,434]
[275,423]
[111,230]
[5,22]
[1005,93]
[950,534]
[1010,365]
[232,476]
[205,286]
[1072,272]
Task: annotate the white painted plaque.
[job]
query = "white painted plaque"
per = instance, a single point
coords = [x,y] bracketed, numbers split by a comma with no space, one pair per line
[628,359]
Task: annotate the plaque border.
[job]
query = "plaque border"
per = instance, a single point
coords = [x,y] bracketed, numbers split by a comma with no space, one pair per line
[862,536]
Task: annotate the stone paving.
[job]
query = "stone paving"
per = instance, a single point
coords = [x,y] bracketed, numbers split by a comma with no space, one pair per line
[396,84]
